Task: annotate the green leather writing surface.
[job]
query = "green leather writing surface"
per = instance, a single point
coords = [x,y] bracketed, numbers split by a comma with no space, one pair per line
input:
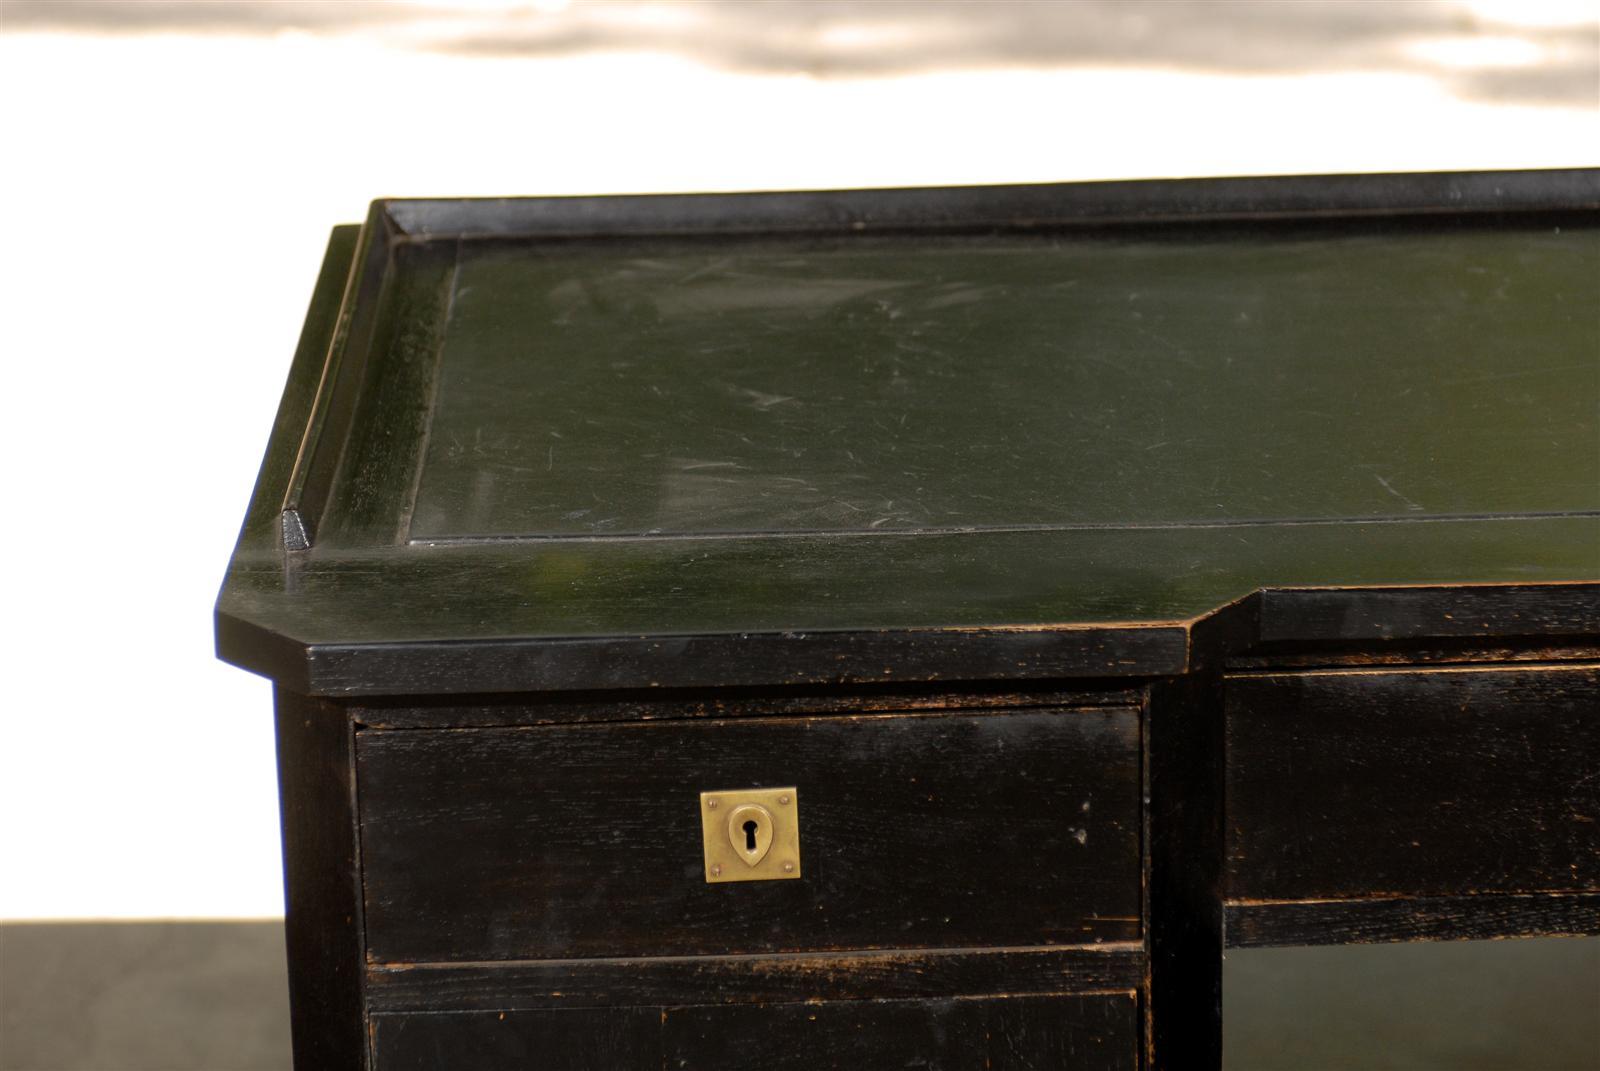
[953,383]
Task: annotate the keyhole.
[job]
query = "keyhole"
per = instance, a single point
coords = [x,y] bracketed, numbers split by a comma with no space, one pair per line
[750,828]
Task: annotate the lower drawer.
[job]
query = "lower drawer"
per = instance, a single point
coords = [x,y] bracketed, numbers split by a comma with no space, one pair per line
[1095,1032]
[1449,782]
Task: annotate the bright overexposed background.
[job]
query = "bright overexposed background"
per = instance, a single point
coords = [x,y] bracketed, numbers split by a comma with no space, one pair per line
[170,171]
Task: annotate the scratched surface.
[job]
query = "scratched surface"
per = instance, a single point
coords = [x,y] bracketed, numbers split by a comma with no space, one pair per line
[905,384]
[188,996]
[636,441]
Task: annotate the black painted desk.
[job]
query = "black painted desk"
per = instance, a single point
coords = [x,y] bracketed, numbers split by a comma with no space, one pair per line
[1094,577]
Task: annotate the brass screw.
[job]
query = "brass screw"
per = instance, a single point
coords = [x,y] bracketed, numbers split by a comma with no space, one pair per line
[711,804]
[716,870]
[788,868]
[783,799]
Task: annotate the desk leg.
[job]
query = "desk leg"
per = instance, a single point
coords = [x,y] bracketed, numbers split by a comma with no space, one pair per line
[322,883]
[1184,771]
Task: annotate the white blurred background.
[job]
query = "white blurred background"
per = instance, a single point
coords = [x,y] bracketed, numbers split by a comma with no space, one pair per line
[170,171]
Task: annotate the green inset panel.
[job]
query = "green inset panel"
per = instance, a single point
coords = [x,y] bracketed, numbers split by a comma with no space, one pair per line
[727,385]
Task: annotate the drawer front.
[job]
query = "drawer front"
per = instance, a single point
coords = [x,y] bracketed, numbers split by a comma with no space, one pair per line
[916,831]
[1075,1033]
[1443,782]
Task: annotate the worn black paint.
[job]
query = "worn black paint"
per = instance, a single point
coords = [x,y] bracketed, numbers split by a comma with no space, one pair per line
[322,883]
[892,974]
[948,505]
[585,1039]
[1082,1032]
[423,712]
[915,831]
[1370,920]
[1021,425]
[1437,782]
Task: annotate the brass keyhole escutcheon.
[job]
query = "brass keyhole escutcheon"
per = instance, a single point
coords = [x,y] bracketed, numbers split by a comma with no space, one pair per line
[750,829]
[751,834]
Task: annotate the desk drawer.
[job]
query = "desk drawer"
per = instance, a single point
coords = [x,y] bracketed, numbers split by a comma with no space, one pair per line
[949,830]
[1431,782]
[1096,1032]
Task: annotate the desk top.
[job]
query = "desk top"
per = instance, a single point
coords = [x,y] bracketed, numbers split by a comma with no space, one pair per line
[890,435]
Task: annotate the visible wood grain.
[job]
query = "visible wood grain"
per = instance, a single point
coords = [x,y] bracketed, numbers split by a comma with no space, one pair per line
[322,884]
[1442,782]
[421,712]
[1359,654]
[828,610]
[761,979]
[389,428]
[1260,924]
[915,831]
[986,208]
[745,659]
[1086,1033]
[1185,815]
[339,375]
[587,1039]
[1083,1032]
[1489,610]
